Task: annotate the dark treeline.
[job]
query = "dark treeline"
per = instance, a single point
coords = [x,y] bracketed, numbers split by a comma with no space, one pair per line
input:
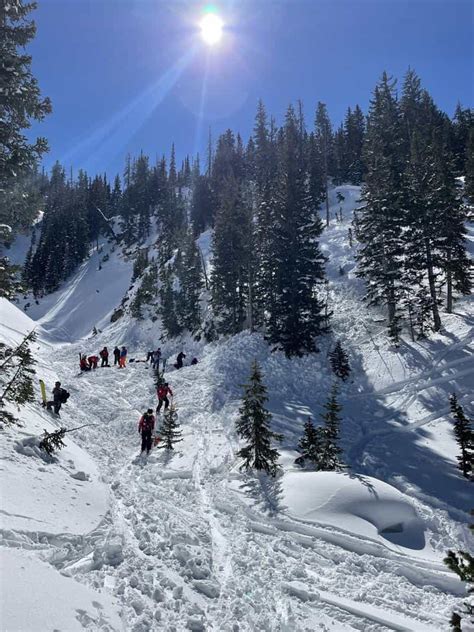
[267,201]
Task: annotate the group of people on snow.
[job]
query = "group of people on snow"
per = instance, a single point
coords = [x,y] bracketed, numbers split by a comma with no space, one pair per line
[146,425]
[88,363]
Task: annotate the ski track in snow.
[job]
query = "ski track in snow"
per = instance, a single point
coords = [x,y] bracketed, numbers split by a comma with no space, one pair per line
[189,543]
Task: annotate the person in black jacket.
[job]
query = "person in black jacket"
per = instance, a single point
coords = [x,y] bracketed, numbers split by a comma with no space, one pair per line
[179,360]
[58,398]
[116,355]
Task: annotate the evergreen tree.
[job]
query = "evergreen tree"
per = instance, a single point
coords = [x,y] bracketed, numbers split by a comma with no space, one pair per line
[462,563]
[464,436]
[191,283]
[311,443]
[324,148]
[254,427]
[354,132]
[231,258]
[469,166]
[445,202]
[340,361]
[296,319]
[53,441]
[16,381]
[20,105]
[382,216]
[330,454]
[167,309]
[170,429]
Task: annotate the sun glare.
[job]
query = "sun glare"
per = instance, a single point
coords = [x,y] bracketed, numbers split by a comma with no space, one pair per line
[211,29]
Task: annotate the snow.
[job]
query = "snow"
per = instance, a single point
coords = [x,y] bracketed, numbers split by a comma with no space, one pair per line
[37,597]
[358,504]
[187,541]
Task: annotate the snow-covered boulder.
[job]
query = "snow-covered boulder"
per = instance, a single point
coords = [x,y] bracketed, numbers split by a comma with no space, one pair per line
[359,504]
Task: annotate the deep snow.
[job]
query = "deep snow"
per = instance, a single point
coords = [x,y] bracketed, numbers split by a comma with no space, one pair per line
[187,541]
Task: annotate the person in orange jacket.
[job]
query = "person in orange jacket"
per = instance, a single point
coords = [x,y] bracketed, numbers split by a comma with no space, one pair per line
[146,425]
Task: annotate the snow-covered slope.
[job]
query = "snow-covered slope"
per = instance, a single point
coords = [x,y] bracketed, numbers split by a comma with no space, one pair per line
[188,542]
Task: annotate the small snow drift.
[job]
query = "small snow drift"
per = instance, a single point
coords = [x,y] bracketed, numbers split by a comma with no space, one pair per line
[360,504]
[27,602]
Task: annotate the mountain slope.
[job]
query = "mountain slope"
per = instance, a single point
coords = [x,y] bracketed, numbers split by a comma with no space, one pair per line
[188,542]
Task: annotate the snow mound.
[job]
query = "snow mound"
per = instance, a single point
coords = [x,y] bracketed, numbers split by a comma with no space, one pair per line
[359,504]
[27,603]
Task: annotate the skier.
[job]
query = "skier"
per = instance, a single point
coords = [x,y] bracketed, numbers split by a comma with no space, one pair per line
[146,426]
[93,360]
[104,354]
[163,391]
[60,396]
[156,358]
[83,363]
[123,357]
[116,355]
[179,360]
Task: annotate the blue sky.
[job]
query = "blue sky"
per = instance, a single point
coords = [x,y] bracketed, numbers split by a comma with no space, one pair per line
[131,75]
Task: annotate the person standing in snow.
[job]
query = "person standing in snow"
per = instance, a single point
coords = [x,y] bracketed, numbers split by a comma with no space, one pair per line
[104,354]
[179,360]
[163,391]
[116,355]
[156,358]
[146,425]
[59,397]
[123,357]
[83,363]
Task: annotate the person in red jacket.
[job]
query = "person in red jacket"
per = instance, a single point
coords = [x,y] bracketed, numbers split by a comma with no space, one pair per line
[93,360]
[146,425]
[163,391]
[83,363]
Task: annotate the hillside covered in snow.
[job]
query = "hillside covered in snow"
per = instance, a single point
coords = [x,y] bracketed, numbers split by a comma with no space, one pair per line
[98,538]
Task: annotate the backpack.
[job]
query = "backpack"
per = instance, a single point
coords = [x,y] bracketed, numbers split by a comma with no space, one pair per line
[147,422]
[63,396]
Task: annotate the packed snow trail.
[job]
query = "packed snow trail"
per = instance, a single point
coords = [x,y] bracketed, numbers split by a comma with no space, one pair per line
[189,543]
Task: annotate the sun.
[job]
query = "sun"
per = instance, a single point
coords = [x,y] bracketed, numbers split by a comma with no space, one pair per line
[211,28]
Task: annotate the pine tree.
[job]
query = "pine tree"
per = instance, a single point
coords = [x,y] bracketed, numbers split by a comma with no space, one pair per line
[191,283]
[53,441]
[254,427]
[296,319]
[462,563]
[354,133]
[311,443]
[445,202]
[382,216]
[16,382]
[469,167]
[340,361]
[464,436]
[21,104]
[324,148]
[231,258]
[330,454]
[170,429]
[167,309]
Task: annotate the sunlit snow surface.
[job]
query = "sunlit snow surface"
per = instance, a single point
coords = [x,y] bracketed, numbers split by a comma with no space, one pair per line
[188,541]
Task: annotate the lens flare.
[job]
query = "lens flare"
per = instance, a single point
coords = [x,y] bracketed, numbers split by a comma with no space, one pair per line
[211,28]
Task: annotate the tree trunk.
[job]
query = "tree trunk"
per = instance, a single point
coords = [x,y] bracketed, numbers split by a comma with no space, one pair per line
[327,203]
[432,284]
[449,285]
